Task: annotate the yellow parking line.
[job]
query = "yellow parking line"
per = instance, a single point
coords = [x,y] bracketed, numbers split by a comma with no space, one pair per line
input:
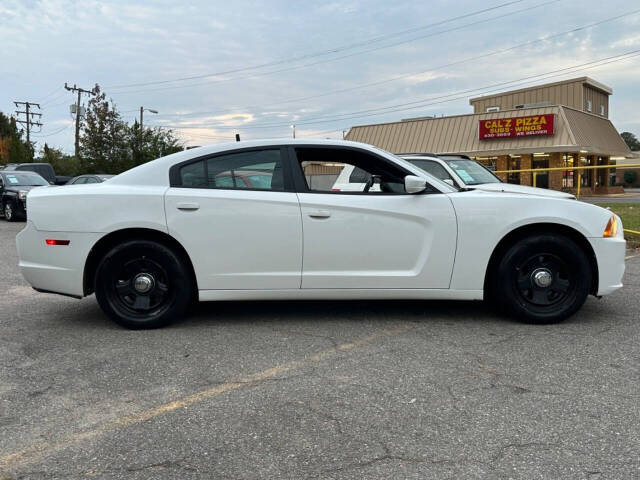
[34,451]
[632,256]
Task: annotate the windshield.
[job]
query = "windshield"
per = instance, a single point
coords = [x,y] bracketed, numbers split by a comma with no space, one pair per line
[433,179]
[470,172]
[23,179]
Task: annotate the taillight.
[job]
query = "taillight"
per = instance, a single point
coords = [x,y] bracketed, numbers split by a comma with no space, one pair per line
[53,241]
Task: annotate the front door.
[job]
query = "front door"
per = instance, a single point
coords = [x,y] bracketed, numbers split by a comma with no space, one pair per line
[373,238]
[239,219]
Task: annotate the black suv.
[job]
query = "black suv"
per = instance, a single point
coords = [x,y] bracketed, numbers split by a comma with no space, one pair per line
[45,170]
[14,187]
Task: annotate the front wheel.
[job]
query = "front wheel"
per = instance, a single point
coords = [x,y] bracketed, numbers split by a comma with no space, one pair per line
[9,212]
[143,284]
[544,278]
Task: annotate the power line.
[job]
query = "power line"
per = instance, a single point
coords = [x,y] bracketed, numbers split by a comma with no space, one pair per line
[429,101]
[317,54]
[55,98]
[305,65]
[432,69]
[54,133]
[49,94]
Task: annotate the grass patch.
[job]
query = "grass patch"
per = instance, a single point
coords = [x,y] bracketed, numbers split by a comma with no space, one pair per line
[630,215]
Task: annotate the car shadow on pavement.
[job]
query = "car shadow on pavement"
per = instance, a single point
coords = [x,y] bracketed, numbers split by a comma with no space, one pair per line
[342,310]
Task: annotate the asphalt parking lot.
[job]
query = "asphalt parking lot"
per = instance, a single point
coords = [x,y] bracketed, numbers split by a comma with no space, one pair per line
[335,390]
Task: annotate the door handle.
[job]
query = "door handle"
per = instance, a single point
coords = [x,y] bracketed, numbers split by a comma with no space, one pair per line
[320,214]
[188,206]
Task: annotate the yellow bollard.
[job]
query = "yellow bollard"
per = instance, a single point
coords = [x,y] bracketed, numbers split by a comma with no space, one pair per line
[535,175]
[579,182]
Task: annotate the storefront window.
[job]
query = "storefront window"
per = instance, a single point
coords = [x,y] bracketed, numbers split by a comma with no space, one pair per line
[568,175]
[587,175]
[514,164]
[541,161]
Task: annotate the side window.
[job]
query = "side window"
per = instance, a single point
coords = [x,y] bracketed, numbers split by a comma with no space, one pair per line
[336,170]
[193,175]
[91,180]
[80,180]
[254,170]
[434,168]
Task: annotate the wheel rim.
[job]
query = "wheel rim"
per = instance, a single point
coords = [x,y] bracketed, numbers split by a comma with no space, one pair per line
[8,212]
[544,280]
[141,286]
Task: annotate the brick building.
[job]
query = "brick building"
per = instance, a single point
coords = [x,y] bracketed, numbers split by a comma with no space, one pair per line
[561,124]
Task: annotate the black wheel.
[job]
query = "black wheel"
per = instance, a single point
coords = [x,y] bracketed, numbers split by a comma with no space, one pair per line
[143,284]
[9,212]
[542,279]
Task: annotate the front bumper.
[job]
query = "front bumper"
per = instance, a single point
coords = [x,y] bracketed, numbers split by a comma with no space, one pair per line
[54,268]
[610,253]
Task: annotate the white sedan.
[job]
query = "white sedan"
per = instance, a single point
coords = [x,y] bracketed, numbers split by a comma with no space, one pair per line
[261,220]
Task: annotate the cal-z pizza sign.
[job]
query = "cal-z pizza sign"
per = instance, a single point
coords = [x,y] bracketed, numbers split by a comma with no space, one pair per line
[516,126]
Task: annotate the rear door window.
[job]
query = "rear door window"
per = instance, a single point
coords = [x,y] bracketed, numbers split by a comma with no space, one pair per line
[254,170]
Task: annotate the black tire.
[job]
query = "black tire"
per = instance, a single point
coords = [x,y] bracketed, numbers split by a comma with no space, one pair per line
[128,269]
[9,211]
[521,282]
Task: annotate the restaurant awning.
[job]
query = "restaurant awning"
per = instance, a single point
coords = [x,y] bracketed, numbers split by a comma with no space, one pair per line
[574,131]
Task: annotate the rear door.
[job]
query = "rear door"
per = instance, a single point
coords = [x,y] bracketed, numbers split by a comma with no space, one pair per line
[367,239]
[238,237]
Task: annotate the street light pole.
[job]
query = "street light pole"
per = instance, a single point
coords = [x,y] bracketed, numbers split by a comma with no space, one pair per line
[142,109]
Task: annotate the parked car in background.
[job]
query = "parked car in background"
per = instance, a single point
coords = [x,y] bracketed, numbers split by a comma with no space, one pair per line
[83,179]
[462,172]
[168,233]
[45,170]
[14,187]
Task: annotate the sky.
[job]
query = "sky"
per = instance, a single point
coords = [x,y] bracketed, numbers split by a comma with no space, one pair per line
[213,69]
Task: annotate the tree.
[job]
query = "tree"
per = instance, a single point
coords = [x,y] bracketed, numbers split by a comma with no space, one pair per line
[103,142]
[631,140]
[109,145]
[62,164]
[150,143]
[13,149]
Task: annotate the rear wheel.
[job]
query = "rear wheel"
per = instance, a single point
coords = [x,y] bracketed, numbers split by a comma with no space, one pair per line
[143,284]
[542,279]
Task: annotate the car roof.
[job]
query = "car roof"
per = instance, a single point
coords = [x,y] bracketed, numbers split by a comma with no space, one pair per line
[20,172]
[432,156]
[155,172]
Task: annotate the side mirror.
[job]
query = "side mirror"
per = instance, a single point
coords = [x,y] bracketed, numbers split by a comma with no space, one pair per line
[414,184]
[448,181]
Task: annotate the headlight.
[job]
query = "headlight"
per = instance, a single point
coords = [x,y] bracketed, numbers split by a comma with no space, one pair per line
[611,230]
[22,194]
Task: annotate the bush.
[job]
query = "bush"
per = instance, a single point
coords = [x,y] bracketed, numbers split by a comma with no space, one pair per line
[630,176]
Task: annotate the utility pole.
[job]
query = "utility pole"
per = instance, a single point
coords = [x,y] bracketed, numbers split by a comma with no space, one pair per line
[28,121]
[80,91]
[294,130]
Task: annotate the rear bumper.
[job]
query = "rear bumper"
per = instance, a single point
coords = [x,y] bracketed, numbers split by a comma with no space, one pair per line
[610,253]
[57,268]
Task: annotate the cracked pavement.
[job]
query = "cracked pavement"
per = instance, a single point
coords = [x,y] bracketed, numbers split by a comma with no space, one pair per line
[326,390]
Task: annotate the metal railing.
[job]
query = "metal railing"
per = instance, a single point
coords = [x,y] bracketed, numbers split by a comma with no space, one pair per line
[535,171]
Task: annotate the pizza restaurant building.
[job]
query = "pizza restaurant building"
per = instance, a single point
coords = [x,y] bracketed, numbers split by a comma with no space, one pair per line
[521,130]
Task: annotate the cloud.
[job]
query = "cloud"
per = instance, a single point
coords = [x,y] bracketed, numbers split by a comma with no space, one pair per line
[114,42]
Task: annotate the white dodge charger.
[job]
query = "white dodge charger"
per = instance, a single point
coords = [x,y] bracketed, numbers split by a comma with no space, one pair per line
[262,220]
